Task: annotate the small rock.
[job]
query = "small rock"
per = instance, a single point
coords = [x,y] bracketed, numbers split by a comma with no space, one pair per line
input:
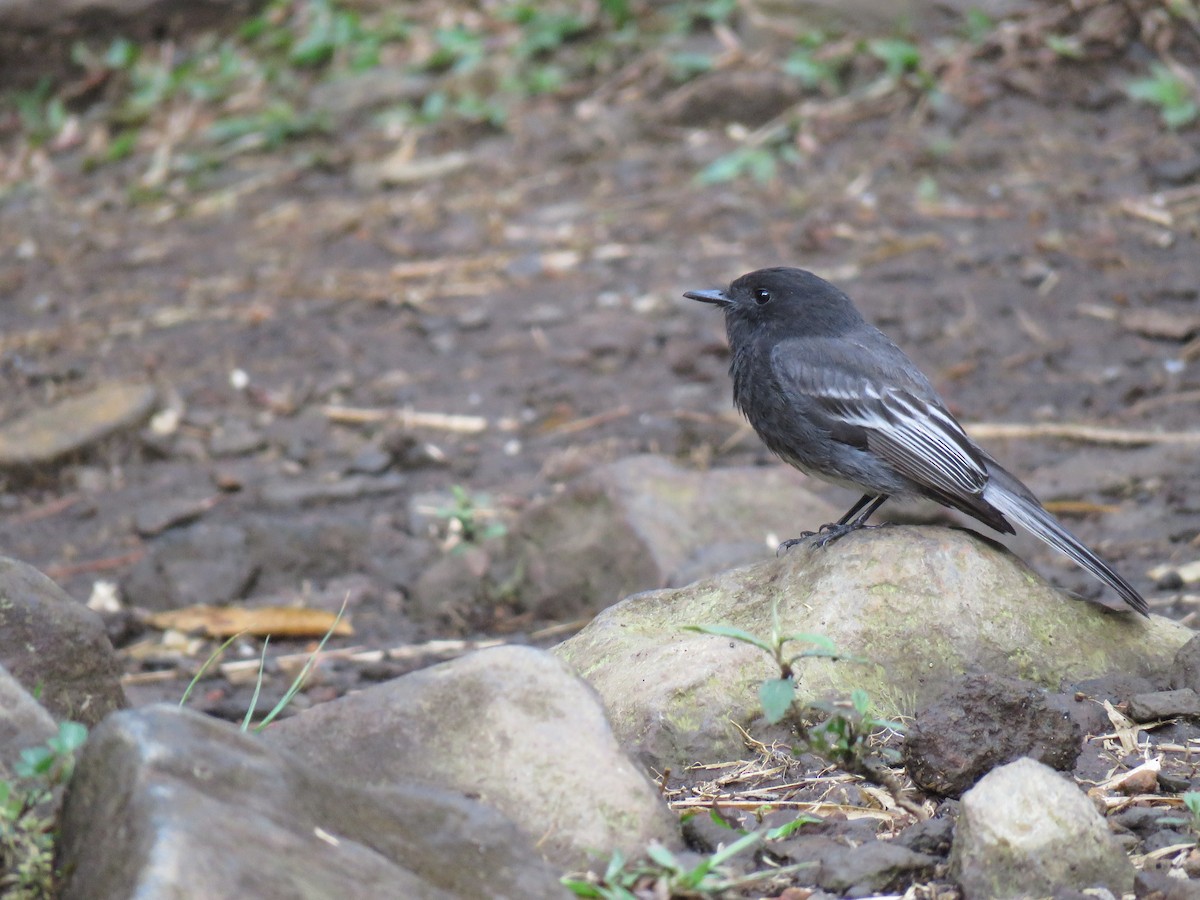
[1176,171]
[68,426]
[748,96]
[512,725]
[983,722]
[55,647]
[932,837]
[1185,671]
[209,563]
[162,513]
[235,437]
[870,868]
[1159,884]
[1025,831]
[1164,705]
[370,461]
[300,492]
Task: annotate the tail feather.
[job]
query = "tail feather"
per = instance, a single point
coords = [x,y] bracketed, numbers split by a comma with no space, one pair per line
[1015,501]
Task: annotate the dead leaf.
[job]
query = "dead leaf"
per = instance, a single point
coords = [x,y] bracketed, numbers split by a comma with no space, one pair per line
[277,621]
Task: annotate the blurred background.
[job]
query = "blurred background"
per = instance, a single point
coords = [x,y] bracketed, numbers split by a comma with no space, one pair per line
[305,303]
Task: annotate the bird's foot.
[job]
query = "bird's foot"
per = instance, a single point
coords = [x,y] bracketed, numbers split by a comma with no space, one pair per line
[826,534]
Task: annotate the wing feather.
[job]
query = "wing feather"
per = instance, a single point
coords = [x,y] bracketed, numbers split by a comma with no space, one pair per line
[905,424]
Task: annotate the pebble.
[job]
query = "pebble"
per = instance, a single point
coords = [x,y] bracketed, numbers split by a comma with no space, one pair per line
[72,424]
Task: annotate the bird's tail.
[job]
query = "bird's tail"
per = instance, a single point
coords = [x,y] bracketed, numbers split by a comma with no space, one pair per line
[1015,501]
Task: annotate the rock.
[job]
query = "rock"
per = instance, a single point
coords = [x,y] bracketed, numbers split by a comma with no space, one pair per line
[922,604]
[56,648]
[211,563]
[37,38]
[235,437]
[1164,705]
[23,723]
[982,722]
[1185,672]
[1153,884]
[932,837]
[202,563]
[164,797]
[638,523]
[1025,831]
[292,492]
[511,725]
[747,96]
[871,868]
[162,513]
[73,424]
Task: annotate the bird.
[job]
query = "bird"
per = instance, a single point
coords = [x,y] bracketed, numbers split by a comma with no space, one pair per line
[833,396]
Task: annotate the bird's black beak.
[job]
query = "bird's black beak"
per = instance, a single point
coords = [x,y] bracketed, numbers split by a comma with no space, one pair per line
[720,298]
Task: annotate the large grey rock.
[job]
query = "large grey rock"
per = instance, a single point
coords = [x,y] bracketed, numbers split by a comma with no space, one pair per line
[169,803]
[639,523]
[511,725]
[1025,831]
[924,605]
[56,648]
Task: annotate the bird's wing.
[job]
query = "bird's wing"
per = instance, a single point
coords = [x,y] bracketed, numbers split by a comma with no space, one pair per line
[894,411]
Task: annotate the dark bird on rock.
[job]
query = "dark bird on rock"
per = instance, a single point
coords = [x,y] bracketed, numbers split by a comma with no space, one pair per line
[833,396]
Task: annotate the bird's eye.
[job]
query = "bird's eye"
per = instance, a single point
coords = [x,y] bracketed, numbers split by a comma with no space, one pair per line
[761,296]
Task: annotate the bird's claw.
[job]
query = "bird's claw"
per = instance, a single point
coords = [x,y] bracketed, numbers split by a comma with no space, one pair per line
[792,542]
[825,535]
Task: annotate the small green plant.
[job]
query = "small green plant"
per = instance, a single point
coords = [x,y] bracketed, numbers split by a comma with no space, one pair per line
[899,56]
[468,519]
[1191,802]
[813,69]
[1067,47]
[42,114]
[663,874]
[977,26]
[1170,92]
[28,814]
[845,727]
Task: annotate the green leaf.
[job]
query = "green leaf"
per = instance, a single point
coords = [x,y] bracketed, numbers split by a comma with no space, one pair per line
[861,701]
[736,634]
[615,865]
[719,819]
[787,830]
[71,736]
[581,888]
[897,55]
[730,851]
[663,857]
[775,696]
[819,641]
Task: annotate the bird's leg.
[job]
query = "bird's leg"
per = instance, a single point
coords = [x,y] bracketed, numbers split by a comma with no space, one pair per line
[851,521]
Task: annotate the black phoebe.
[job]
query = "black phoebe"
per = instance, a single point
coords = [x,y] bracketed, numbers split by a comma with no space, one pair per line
[832,396]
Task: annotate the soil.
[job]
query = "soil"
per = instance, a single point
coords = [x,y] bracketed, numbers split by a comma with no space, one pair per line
[1026,232]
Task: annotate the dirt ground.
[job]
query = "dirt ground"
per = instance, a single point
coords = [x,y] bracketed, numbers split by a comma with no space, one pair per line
[1025,231]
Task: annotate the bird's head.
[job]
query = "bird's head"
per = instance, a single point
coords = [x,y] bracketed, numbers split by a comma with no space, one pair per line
[783,301]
